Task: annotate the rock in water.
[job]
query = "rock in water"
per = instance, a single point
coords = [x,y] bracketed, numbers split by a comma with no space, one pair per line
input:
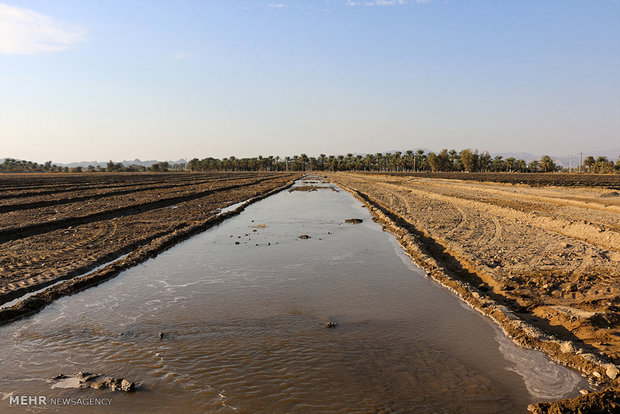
[612,371]
[89,380]
[304,236]
[354,221]
[330,324]
[127,386]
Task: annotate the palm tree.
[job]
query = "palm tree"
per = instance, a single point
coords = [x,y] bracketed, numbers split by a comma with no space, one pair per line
[359,162]
[433,161]
[409,160]
[498,164]
[547,164]
[331,162]
[419,157]
[454,159]
[510,163]
[370,161]
[468,160]
[485,161]
[603,165]
[303,158]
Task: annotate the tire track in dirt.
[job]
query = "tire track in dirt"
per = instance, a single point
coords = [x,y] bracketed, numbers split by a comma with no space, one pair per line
[105,231]
[586,233]
[13,290]
[601,215]
[5,208]
[15,233]
[141,181]
[544,196]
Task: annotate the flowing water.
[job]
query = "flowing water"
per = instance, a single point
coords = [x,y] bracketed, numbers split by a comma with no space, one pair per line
[244,328]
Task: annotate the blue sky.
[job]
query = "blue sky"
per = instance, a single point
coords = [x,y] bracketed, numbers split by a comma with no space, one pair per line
[99,80]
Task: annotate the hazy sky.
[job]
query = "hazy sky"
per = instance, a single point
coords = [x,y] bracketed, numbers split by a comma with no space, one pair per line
[99,80]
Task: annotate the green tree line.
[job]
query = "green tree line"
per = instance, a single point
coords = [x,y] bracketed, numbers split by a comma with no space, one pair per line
[13,165]
[409,161]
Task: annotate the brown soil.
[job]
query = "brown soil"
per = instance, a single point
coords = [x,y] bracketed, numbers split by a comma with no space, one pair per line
[601,402]
[544,262]
[57,226]
[532,179]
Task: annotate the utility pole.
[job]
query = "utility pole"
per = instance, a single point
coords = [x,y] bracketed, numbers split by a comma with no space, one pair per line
[580,160]
[570,164]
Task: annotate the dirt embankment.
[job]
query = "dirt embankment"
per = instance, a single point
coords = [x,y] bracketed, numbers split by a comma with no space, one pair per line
[57,226]
[544,262]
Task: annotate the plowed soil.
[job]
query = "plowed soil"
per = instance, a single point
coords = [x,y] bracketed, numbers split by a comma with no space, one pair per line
[56,226]
[611,181]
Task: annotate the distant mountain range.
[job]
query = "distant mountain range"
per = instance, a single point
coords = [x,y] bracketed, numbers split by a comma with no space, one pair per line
[126,163]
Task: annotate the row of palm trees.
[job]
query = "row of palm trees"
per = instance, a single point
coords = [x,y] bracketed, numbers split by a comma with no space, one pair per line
[445,160]
[600,165]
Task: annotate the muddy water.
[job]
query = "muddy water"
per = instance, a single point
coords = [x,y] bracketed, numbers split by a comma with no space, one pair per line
[244,330]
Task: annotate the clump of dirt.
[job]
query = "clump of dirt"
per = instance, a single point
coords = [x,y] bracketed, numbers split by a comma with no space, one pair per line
[597,402]
[304,237]
[95,381]
[311,188]
[354,221]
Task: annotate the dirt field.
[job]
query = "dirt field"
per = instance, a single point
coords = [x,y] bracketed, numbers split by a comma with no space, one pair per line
[549,255]
[611,181]
[56,226]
